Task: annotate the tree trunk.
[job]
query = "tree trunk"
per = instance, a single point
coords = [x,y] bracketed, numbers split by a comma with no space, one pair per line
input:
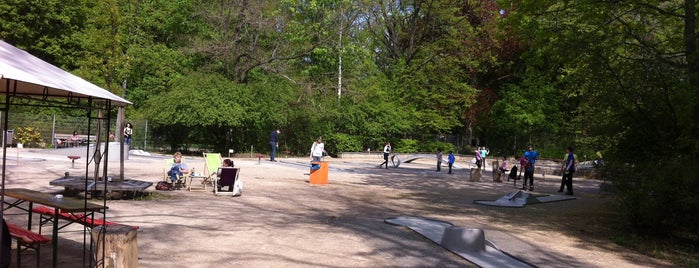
[690,43]
[116,246]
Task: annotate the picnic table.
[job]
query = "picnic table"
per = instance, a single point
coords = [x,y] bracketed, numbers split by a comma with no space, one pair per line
[66,140]
[60,205]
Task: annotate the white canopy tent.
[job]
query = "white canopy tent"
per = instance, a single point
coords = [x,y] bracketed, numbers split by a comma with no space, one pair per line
[23,74]
[28,80]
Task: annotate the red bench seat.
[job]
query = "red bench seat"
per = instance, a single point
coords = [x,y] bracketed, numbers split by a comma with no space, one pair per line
[26,239]
[79,218]
[26,236]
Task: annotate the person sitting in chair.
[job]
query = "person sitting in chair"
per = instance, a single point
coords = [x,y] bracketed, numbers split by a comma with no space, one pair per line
[226,163]
[75,139]
[178,168]
[503,165]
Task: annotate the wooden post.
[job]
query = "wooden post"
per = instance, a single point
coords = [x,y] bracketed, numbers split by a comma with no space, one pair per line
[115,246]
[475,174]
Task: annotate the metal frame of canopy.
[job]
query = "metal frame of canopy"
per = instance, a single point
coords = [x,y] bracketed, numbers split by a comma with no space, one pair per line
[28,80]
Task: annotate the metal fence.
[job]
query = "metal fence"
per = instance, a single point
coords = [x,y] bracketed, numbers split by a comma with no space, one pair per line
[48,125]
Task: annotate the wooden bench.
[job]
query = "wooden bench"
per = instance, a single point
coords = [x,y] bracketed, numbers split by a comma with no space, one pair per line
[27,239]
[64,140]
[49,213]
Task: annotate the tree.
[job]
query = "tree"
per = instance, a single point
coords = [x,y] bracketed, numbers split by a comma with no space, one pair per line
[47,30]
[628,67]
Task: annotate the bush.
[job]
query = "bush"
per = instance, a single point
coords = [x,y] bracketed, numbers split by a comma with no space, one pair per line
[344,142]
[406,146]
[28,136]
[437,145]
[659,196]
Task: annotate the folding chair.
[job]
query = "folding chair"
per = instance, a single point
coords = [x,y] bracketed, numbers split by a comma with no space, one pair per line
[227,177]
[211,165]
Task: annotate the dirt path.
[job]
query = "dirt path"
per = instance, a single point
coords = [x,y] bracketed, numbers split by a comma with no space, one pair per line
[281,220]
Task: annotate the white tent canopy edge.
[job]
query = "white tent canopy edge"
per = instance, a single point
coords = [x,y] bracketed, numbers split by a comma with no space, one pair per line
[34,76]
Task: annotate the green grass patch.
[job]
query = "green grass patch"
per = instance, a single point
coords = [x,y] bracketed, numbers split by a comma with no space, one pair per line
[679,248]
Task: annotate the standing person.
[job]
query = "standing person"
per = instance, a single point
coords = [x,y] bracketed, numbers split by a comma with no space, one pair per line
[274,143]
[479,158]
[531,156]
[439,160]
[452,159]
[568,170]
[317,149]
[484,153]
[386,152]
[128,131]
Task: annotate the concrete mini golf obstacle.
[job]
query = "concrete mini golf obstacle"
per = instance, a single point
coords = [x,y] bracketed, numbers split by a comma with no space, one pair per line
[468,243]
[519,199]
[397,159]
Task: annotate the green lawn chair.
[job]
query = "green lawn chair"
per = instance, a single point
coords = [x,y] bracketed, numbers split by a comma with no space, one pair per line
[212,163]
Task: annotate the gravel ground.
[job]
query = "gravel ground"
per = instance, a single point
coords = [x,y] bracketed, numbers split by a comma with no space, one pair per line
[283,221]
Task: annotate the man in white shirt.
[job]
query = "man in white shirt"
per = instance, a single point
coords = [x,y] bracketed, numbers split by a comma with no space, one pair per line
[386,152]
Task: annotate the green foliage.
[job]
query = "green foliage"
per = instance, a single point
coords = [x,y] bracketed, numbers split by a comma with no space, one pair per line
[28,136]
[406,146]
[433,146]
[616,87]
[218,107]
[341,142]
[46,29]
[651,203]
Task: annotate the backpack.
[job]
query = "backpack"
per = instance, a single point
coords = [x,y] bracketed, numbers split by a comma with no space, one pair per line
[163,186]
[513,172]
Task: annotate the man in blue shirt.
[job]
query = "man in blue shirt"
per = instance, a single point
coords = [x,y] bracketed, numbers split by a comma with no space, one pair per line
[531,156]
[274,143]
[568,170]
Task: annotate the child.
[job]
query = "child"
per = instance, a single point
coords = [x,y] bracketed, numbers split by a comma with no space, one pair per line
[479,158]
[503,166]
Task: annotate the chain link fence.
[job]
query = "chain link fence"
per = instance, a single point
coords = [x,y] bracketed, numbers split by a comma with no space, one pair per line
[38,130]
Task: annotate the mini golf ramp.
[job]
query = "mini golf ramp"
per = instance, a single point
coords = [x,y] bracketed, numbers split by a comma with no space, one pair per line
[468,243]
[397,159]
[519,199]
